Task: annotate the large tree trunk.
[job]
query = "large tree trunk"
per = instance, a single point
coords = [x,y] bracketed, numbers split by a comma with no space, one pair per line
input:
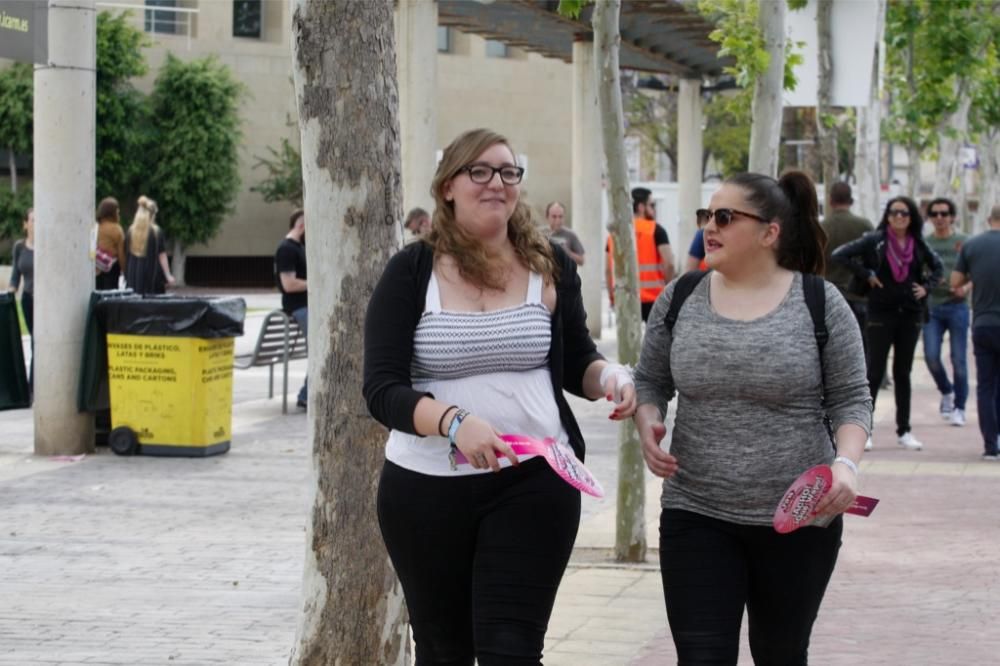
[989,182]
[867,144]
[765,130]
[826,130]
[344,67]
[951,137]
[178,262]
[630,533]
[913,172]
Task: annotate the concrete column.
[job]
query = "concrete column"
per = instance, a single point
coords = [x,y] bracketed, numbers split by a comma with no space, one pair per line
[689,148]
[64,111]
[587,167]
[416,63]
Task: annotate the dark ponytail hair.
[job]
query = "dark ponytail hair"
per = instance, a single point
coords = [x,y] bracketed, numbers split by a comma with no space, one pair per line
[792,200]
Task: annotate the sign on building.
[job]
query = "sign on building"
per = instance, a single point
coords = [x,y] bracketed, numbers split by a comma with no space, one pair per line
[24,31]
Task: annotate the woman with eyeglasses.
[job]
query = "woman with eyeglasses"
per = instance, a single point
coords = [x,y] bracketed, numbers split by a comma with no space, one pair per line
[753,388]
[472,332]
[899,269]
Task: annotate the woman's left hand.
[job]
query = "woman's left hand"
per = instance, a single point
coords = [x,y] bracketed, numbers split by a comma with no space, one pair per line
[618,387]
[842,493]
[919,291]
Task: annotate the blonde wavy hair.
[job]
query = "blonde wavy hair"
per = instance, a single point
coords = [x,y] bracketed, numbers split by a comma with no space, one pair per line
[142,224]
[447,237]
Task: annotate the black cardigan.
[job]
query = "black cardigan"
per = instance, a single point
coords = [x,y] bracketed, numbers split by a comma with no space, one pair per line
[866,257]
[395,309]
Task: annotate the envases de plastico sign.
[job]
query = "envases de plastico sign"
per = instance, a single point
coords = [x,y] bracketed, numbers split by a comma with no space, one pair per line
[24,31]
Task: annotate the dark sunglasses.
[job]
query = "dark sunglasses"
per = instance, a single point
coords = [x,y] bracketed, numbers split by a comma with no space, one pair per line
[899,213]
[939,213]
[724,216]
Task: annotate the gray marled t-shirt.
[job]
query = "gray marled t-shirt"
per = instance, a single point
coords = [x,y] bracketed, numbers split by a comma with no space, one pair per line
[749,415]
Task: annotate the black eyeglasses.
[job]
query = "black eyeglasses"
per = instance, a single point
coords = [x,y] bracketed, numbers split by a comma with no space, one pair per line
[481,174]
[724,216]
[898,213]
[939,213]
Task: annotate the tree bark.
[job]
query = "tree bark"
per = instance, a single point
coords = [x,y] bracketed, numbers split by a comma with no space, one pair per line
[12,163]
[178,262]
[951,137]
[827,133]
[630,532]
[913,172]
[344,70]
[989,182]
[765,130]
[867,144]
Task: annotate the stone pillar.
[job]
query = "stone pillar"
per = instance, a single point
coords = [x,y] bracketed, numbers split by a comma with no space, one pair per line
[689,149]
[587,168]
[64,112]
[416,63]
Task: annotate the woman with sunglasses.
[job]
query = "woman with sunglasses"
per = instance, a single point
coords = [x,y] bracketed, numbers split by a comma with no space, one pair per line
[472,332]
[752,394]
[899,269]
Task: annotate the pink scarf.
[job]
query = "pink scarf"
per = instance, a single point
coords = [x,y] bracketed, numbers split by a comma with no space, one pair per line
[900,255]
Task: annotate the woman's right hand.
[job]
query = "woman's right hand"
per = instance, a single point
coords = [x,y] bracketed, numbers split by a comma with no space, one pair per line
[651,433]
[874,282]
[479,443]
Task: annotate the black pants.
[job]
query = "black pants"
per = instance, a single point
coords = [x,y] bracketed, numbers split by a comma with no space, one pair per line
[479,557]
[28,310]
[899,330]
[712,569]
[108,280]
[645,309]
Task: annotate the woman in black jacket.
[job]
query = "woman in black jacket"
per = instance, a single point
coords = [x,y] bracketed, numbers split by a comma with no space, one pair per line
[898,269]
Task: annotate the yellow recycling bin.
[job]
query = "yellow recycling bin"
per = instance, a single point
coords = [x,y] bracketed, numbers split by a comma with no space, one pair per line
[170,374]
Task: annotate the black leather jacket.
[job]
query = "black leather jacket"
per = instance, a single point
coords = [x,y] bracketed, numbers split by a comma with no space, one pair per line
[865,258]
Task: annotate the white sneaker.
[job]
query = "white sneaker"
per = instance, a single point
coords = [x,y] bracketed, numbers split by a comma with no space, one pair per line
[947,405]
[991,457]
[909,442]
[957,417]
[869,445]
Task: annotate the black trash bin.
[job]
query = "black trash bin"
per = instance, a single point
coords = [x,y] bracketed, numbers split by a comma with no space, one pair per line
[14,390]
[170,372]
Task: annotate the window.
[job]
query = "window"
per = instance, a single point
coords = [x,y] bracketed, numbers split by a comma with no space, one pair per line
[161,22]
[495,49]
[246,18]
[444,39]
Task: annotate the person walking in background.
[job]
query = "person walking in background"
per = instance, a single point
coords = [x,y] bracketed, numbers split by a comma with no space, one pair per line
[555,215]
[290,274]
[22,275]
[978,262]
[900,270]
[696,251]
[474,333]
[147,270]
[753,390]
[652,250]
[110,241]
[842,227]
[949,312]
[418,222]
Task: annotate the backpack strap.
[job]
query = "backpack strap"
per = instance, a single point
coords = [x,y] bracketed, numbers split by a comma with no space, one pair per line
[815,293]
[685,285]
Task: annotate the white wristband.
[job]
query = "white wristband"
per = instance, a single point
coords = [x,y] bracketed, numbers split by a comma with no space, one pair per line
[851,465]
[621,372]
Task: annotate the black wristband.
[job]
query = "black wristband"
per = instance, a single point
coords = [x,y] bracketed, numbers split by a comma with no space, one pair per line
[441,420]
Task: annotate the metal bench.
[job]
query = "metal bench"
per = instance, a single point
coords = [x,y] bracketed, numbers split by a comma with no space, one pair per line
[280,341]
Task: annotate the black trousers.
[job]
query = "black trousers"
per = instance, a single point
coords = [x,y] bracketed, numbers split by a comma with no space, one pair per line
[479,558]
[899,330]
[712,569]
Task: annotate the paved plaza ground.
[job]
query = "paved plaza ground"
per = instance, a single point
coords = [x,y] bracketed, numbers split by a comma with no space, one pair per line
[111,560]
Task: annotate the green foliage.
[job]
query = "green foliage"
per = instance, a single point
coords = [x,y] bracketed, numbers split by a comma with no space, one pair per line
[936,53]
[571,8]
[12,210]
[16,95]
[196,121]
[740,38]
[123,130]
[284,175]
[727,130]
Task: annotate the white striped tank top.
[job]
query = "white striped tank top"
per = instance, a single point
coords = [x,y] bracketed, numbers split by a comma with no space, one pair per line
[494,364]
